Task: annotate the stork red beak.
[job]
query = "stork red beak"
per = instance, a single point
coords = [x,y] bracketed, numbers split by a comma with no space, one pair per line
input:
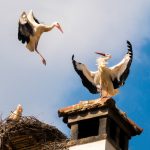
[100,53]
[59,27]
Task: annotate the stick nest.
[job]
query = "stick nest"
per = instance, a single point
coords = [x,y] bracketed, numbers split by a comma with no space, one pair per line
[30,134]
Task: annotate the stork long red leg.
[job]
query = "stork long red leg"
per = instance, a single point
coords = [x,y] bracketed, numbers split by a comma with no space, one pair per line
[43,60]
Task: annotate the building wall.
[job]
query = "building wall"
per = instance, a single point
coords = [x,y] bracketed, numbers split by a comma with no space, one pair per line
[99,145]
[109,146]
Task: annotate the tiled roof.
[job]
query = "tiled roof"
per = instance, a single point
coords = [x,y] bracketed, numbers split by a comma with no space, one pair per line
[83,105]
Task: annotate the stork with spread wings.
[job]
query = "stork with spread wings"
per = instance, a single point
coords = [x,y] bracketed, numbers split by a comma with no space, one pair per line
[30,31]
[106,80]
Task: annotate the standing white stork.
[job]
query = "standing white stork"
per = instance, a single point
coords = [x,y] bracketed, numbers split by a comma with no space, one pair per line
[16,115]
[30,31]
[106,80]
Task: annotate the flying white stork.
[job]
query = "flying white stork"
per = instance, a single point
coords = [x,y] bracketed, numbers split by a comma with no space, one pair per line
[106,80]
[30,31]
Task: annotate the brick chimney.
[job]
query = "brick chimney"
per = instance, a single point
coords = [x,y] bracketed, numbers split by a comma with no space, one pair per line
[98,125]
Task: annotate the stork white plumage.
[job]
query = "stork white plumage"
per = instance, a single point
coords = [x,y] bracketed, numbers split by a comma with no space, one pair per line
[106,80]
[16,115]
[30,31]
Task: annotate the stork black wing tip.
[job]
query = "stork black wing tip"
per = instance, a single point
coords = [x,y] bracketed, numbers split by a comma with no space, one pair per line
[73,57]
[129,45]
[128,42]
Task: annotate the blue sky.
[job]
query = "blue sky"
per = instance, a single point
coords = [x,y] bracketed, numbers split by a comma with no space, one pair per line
[88,26]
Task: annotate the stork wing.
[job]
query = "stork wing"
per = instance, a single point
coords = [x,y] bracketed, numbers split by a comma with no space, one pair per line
[24,29]
[32,19]
[36,20]
[120,72]
[86,76]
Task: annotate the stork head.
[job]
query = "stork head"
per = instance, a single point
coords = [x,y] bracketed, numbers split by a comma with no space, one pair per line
[57,25]
[23,18]
[19,108]
[104,55]
[102,61]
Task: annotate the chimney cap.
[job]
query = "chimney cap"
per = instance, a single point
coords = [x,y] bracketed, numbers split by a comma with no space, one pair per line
[84,106]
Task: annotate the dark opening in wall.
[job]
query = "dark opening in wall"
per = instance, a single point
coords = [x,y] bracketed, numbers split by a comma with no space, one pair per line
[113,130]
[122,140]
[87,128]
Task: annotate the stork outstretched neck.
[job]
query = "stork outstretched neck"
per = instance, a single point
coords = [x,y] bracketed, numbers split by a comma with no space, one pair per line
[106,80]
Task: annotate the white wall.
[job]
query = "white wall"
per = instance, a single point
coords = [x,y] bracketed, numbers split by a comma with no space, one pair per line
[109,146]
[99,145]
